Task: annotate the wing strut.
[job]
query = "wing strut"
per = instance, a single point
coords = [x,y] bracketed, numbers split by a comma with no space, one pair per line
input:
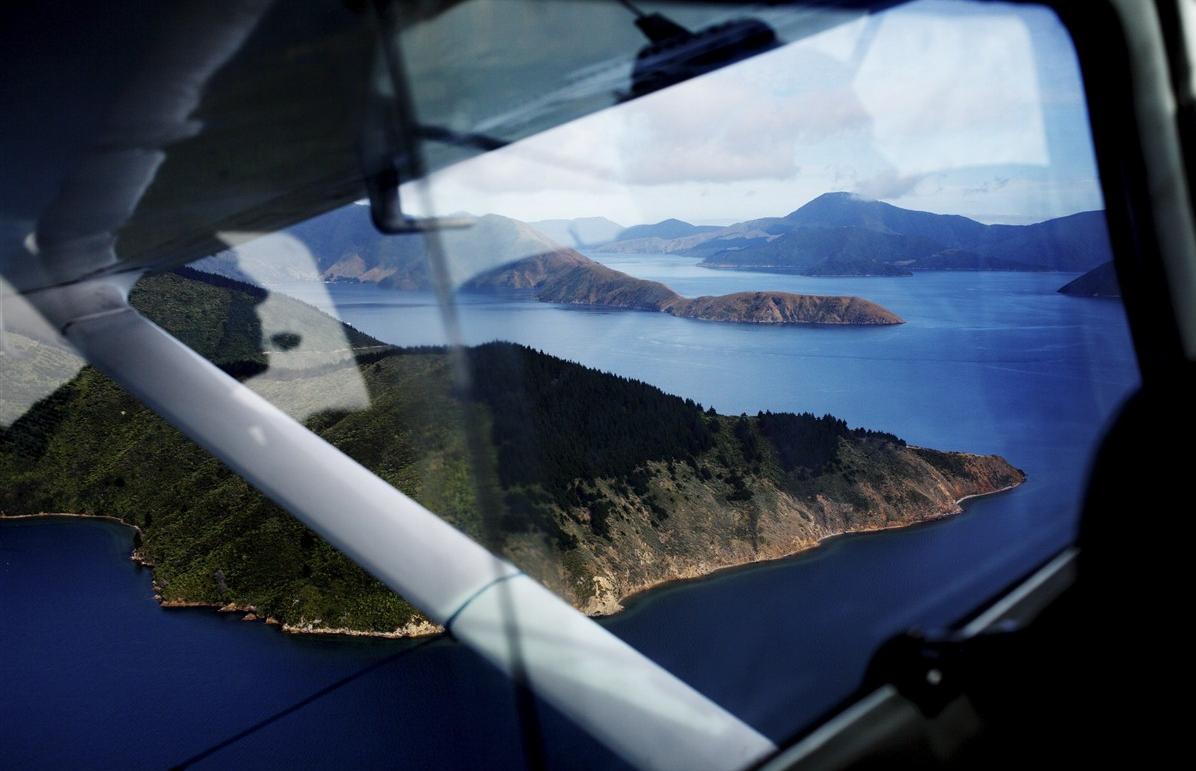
[642,712]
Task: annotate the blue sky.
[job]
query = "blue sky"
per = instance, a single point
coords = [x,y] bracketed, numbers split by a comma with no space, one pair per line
[973,109]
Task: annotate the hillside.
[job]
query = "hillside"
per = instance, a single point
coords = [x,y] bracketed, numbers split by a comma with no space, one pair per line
[839,234]
[665,229]
[660,489]
[841,251]
[838,210]
[585,282]
[708,240]
[1075,242]
[569,277]
[1101,281]
[785,308]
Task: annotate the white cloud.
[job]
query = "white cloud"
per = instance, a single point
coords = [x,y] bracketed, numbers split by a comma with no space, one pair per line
[576,156]
[880,107]
[731,125]
[887,184]
[947,90]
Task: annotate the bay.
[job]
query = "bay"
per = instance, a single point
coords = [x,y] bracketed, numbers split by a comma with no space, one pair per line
[986,362]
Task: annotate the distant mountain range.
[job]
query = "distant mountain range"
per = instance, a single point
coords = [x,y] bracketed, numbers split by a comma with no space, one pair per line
[836,234]
[498,253]
[568,277]
[845,235]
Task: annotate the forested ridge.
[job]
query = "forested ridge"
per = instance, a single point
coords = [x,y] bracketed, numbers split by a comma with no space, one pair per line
[597,484]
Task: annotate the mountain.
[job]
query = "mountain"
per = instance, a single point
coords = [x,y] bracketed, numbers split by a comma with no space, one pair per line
[1101,281]
[706,240]
[838,210]
[344,245]
[840,234]
[568,277]
[666,229]
[597,485]
[580,231]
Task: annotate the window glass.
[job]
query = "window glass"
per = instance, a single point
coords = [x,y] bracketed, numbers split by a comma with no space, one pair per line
[693,354]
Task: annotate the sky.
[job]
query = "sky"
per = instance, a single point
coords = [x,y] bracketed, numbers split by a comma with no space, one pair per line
[959,108]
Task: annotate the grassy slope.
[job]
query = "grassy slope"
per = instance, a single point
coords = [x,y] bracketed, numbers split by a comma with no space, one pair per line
[596,484]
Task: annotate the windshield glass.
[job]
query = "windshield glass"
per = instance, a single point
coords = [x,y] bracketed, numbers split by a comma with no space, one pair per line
[688,357]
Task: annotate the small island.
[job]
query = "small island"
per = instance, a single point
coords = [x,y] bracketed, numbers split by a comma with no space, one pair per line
[1101,282]
[568,277]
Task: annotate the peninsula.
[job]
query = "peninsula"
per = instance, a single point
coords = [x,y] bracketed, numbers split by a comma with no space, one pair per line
[656,489]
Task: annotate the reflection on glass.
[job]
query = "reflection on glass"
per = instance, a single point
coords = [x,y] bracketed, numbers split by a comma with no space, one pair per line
[36,359]
[843,287]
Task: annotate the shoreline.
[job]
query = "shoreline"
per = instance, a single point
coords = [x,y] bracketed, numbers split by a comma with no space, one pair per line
[640,594]
[67,514]
[425,628]
[411,629]
[668,311]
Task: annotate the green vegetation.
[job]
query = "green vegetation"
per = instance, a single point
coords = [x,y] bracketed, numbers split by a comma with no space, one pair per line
[596,484]
[555,421]
[808,442]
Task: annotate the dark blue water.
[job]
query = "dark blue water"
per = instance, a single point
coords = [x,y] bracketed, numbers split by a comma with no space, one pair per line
[988,362]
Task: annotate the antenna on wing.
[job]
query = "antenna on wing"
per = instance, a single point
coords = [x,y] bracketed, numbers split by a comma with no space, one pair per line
[656,26]
[675,54]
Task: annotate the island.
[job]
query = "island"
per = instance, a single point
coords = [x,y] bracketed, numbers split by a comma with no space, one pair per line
[568,277]
[1101,281]
[599,486]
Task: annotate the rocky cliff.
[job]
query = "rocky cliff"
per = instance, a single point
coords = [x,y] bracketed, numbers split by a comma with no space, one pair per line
[877,486]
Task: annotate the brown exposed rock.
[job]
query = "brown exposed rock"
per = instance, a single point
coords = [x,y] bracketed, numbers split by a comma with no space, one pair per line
[568,277]
[785,308]
[705,532]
